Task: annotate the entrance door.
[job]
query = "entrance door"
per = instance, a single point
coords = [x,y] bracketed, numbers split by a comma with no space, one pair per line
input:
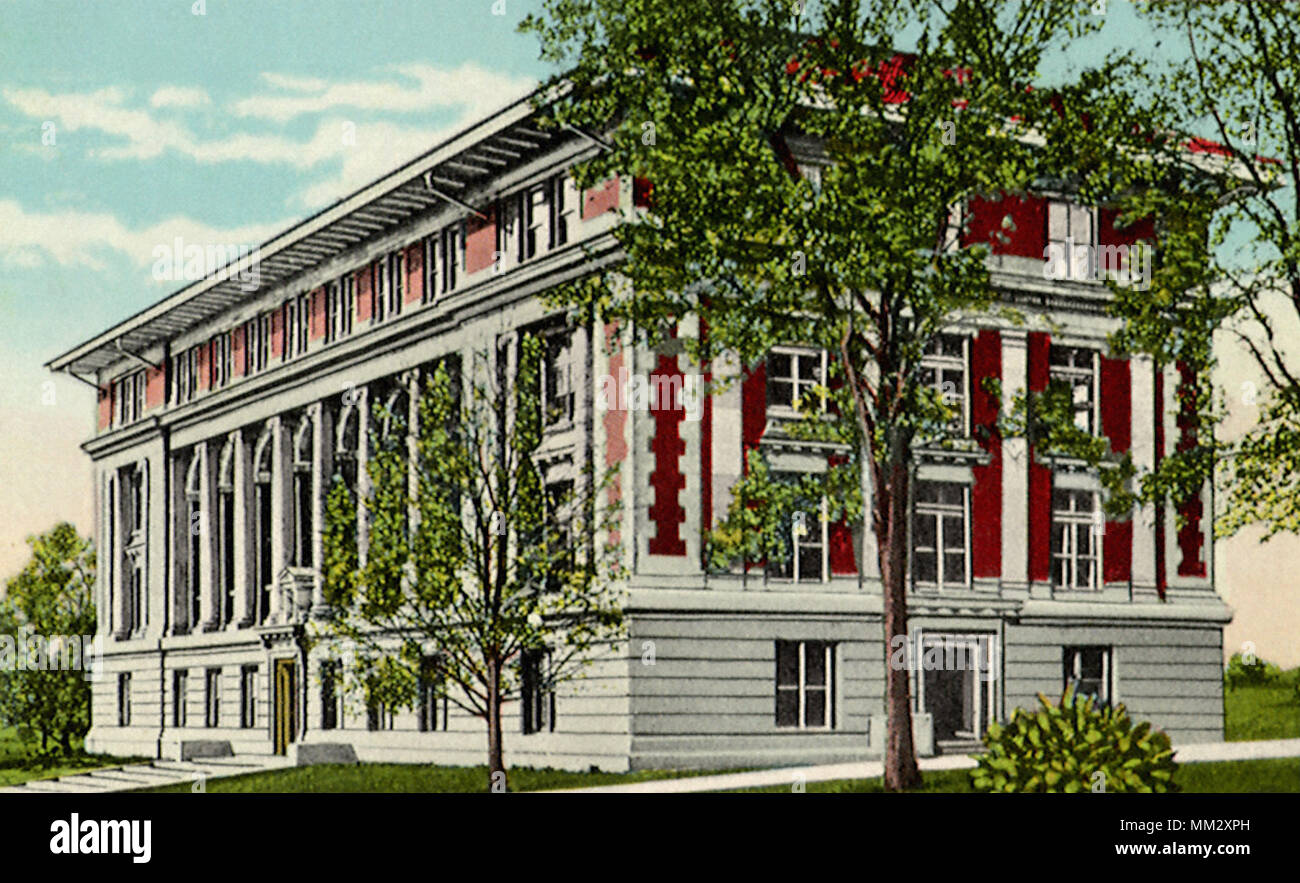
[283,731]
[958,687]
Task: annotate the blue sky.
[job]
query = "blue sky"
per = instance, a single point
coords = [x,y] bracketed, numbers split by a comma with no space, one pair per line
[222,127]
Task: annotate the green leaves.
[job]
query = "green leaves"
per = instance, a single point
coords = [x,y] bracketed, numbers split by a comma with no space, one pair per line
[1073,747]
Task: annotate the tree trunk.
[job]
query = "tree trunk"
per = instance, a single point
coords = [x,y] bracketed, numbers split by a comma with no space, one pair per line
[497,778]
[65,740]
[891,495]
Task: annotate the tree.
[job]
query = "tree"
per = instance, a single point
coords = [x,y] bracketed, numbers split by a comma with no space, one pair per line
[474,564]
[859,250]
[47,622]
[1235,84]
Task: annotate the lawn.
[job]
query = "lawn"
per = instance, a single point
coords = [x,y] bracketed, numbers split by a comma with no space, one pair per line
[17,764]
[1267,711]
[1272,776]
[404,778]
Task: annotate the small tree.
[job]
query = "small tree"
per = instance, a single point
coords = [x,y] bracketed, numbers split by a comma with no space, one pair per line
[50,601]
[475,564]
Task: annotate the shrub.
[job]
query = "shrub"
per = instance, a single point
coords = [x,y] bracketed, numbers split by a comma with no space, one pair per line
[1257,672]
[1062,748]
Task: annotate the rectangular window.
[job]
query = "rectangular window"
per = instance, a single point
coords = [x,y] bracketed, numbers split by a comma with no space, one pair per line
[537,693]
[1075,369]
[453,256]
[219,360]
[1071,236]
[130,398]
[536,218]
[212,698]
[943,369]
[793,376]
[805,684]
[558,380]
[432,700]
[429,245]
[180,696]
[124,699]
[1089,672]
[288,325]
[331,671]
[332,312]
[248,696]
[806,544]
[1076,539]
[257,343]
[302,330]
[396,282]
[560,206]
[939,535]
[378,291]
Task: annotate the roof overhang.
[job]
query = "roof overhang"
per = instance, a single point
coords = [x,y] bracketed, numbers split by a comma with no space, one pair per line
[460,165]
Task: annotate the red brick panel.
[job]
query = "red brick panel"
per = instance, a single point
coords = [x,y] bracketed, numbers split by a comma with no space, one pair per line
[237,352]
[667,479]
[1040,475]
[600,199]
[1117,425]
[155,387]
[365,291]
[277,333]
[105,406]
[414,273]
[317,314]
[480,242]
[205,355]
[1025,234]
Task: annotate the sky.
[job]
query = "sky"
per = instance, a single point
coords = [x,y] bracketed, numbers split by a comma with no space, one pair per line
[127,123]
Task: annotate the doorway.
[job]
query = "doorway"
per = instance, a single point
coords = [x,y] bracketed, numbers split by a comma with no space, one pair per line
[958,684]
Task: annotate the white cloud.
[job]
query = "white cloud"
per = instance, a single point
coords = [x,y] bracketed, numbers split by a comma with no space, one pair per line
[470,86]
[71,237]
[179,96]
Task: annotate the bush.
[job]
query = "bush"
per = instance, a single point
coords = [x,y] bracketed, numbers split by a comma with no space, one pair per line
[1062,748]
[1256,673]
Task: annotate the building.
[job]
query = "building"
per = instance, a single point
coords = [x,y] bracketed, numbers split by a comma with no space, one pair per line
[224,410]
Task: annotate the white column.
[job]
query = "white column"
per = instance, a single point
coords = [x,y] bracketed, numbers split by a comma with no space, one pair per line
[281,496]
[209,607]
[1015,468]
[1145,413]
[322,464]
[244,521]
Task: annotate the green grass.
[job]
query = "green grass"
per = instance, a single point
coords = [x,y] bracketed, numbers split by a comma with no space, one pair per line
[1267,711]
[17,765]
[1274,775]
[403,778]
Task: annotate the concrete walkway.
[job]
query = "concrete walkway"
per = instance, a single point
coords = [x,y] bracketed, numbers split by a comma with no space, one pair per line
[789,777]
[152,774]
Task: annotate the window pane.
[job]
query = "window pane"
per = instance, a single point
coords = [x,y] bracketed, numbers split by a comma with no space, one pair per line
[954,568]
[780,393]
[815,708]
[924,532]
[787,664]
[927,569]
[814,664]
[810,562]
[787,708]
[778,366]
[954,533]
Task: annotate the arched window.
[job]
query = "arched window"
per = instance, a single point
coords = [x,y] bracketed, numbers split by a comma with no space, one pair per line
[345,446]
[262,523]
[194,538]
[302,494]
[226,531]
